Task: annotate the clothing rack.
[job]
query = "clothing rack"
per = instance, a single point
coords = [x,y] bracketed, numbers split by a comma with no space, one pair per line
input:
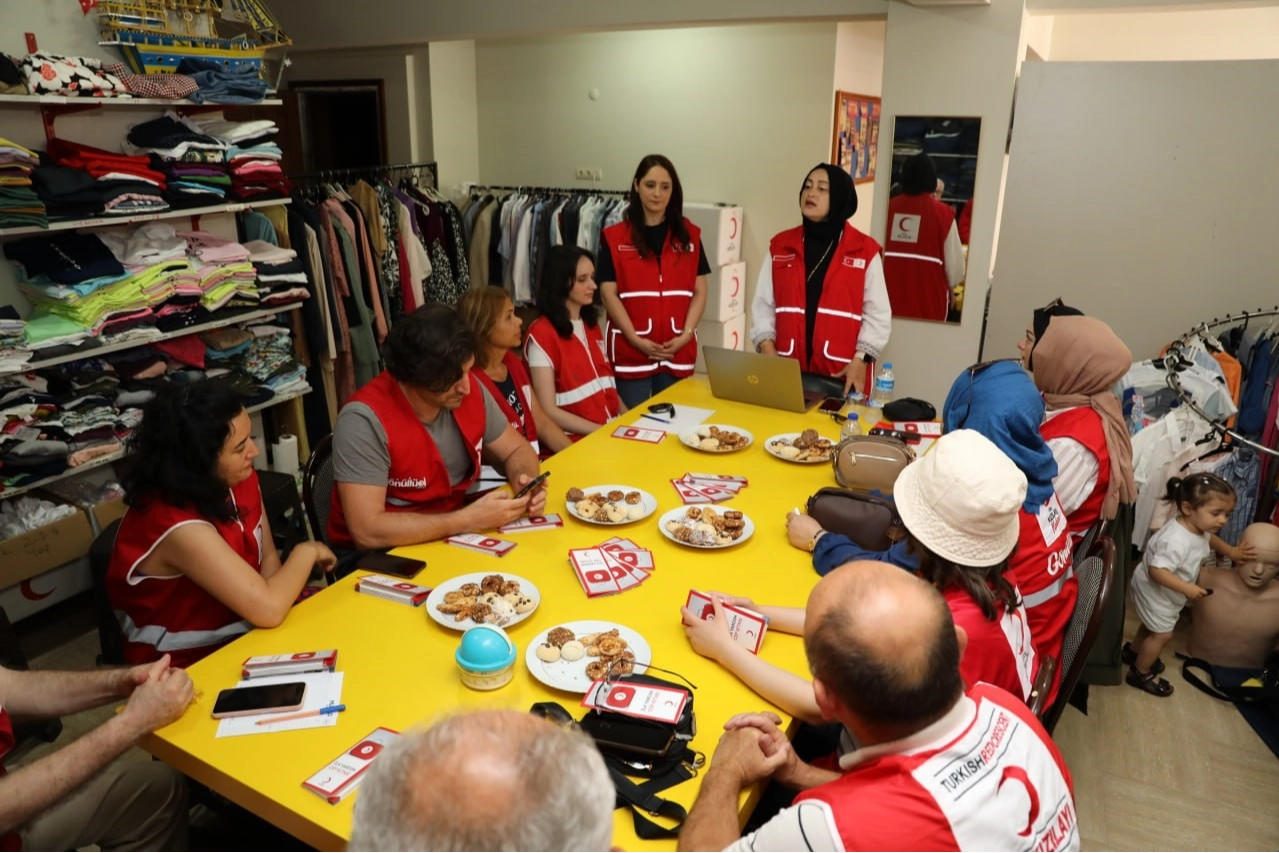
[370,171]
[555,190]
[1175,360]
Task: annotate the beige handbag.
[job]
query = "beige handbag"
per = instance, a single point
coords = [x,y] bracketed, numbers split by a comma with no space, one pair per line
[869,463]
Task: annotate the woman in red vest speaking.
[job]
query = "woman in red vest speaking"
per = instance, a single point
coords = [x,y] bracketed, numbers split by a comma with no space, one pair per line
[923,256]
[565,347]
[502,373]
[820,298]
[652,274]
[194,565]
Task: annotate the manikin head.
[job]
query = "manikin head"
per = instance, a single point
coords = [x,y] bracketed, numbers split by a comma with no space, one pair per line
[1260,573]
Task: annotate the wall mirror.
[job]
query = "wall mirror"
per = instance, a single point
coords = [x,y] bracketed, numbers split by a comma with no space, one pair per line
[929,213]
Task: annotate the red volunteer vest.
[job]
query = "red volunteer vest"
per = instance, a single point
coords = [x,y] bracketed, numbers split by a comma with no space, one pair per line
[584,384]
[998,783]
[1000,652]
[10,840]
[1084,425]
[1043,569]
[656,298]
[523,387]
[839,310]
[418,480]
[915,256]
[176,615]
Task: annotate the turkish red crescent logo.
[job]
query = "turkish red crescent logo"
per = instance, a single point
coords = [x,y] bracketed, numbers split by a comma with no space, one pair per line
[632,432]
[737,286]
[598,576]
[304,655]
[31,595]
[733,219]
[734,339]
[621,696]
[1019,775]
[708,611]
[366,750]
[490,543]
[404,586]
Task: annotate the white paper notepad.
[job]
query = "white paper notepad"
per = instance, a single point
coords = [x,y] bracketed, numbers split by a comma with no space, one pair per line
[322,690]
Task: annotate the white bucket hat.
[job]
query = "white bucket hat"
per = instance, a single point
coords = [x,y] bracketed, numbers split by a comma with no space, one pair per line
[961,500]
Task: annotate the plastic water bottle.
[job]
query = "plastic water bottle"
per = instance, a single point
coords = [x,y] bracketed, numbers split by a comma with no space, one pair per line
[1137,418]
[851,427]
[882,392]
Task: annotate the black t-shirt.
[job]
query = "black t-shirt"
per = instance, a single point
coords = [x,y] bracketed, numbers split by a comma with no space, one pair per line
[506,388]
[655,237]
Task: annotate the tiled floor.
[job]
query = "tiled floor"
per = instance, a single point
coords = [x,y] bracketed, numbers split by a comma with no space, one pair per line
[1183,773]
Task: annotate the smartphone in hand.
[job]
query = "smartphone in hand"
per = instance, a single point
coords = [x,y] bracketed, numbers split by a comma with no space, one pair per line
[532,484]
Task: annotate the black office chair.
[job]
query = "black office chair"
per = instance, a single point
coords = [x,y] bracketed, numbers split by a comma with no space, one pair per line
[1094,575]
[110,637]
[12,656]
[317,488]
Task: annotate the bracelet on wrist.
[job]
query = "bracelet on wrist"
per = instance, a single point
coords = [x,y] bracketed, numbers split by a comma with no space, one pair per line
[812,546]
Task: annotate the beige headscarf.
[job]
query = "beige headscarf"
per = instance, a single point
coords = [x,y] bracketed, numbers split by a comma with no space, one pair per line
[1077,362]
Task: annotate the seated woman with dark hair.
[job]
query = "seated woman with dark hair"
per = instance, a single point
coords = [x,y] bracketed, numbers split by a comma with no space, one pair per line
[565,348]
[194,565]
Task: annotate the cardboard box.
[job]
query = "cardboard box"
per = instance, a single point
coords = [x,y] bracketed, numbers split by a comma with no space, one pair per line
[721,226]
[730,334]
[45,548]
[34,594]
[106,512]
[726,293]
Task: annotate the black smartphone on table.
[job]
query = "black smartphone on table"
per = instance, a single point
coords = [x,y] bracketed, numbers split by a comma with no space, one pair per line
[244,701]
[629,733]
[386,564]
[532,484]
[832,404]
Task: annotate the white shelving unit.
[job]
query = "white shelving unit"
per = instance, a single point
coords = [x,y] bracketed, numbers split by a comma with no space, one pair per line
[116,221]
[60,100]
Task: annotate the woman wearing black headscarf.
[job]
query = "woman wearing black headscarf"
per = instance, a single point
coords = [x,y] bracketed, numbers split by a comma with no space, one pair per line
[923,256]
[821,298]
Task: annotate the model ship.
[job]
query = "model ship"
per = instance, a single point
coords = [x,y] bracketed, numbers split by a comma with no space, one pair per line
[154,36]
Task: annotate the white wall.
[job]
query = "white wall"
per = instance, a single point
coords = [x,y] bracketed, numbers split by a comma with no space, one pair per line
[454,111]
[743,112]
[1168,35]
[1152,224]
[58,27]
[326,24]
[394,68]
[950,62]
[859,67]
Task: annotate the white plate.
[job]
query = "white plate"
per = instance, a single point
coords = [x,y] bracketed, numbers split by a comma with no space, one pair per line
[690,438]
[678,513]
[571,675]
[647,502]
[791,436]
[447,620]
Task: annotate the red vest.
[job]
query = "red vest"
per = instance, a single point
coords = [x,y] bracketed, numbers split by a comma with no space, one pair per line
[1084,425]
[418,480]
[175,614]
[1043,569]
[915,256]
[994,781]
[584,384]
[839,310]
[656,298]
[523,387]
[10,840]
[1000,652]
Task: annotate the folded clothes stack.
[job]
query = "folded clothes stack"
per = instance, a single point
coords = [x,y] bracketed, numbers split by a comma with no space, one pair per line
[70,76]
[13,339]
[193,163]
[19,205]
[281,276]
[252,155]
[128,183]
[217,85]
[226,275]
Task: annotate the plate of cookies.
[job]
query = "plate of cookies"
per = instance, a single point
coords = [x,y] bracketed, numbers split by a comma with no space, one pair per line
[717,438]
[482,598]
[610,504]
[572,655]
[806,448]
[706,526]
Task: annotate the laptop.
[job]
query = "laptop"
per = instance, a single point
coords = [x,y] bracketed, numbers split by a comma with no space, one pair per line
[766,380]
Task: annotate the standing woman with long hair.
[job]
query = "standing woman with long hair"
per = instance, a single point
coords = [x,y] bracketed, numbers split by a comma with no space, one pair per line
[502,373]
[821,297]
[572,379]
[652,274]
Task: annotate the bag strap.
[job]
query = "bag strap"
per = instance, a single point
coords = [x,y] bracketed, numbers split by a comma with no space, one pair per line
[643,797]
[1216,690]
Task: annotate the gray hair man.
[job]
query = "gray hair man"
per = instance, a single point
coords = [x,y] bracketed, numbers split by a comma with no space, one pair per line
[487,780]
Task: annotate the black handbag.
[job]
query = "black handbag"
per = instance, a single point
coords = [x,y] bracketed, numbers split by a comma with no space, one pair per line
[658,751]
[864,518]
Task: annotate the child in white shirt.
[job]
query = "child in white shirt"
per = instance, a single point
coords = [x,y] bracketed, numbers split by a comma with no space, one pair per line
[1167,576]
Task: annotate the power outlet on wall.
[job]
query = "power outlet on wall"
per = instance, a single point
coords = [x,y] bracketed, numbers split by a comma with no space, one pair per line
[586,174]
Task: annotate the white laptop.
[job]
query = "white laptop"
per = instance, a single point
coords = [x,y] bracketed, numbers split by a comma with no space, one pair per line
[764,380]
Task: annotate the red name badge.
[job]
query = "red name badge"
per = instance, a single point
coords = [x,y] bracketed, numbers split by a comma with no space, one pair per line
[649,436]
[593,572]
[691,495]
[536,522]
[483,544]
[645,701]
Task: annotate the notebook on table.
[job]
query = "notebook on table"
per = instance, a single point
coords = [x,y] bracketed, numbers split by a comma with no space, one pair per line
[766,380]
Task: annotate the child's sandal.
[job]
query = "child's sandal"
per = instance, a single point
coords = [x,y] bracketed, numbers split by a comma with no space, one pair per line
[1129,657]
[1149,682]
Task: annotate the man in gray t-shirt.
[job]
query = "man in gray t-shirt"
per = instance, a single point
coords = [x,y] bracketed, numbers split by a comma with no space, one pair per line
[391,488]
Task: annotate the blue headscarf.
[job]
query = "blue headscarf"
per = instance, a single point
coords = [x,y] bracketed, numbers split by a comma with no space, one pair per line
[1002,403]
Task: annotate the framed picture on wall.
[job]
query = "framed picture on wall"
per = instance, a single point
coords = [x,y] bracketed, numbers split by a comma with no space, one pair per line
[854,143]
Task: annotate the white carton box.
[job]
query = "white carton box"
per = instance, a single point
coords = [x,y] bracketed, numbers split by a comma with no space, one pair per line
[730,334]
[726,293]
[45,590]
[721,226]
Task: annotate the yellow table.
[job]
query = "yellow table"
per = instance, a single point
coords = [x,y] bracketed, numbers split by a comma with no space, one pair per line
[399,665]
